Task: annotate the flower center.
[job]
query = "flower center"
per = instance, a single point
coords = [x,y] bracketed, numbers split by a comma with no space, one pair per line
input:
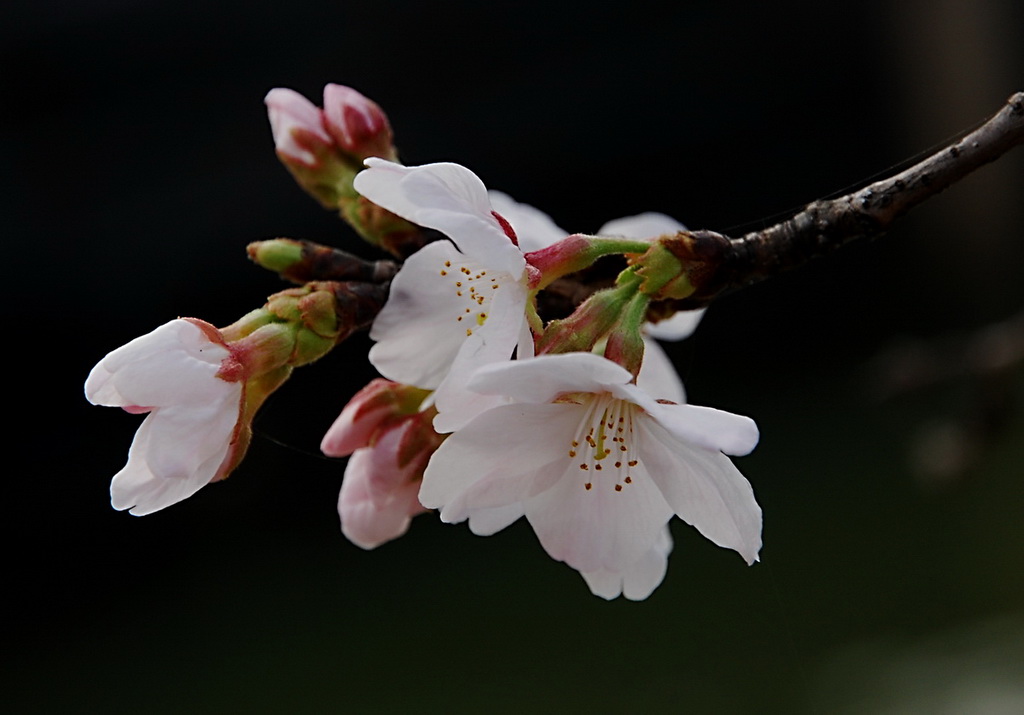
[601,447]
[474,286]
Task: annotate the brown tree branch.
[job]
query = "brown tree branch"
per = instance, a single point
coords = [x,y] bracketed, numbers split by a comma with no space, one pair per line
[721,264]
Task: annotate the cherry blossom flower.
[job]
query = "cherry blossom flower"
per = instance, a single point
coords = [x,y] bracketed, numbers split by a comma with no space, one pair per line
[453,306]
[184,376]
[598,467]
[390,441]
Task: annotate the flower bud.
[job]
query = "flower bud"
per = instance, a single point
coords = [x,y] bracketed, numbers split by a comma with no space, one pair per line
[391,440]
[372,409]
[298,127]
[324,149]
[306,149]
[357,124]
[303,261]
[689,264]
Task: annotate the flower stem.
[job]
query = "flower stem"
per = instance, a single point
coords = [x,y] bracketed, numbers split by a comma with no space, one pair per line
[576,252]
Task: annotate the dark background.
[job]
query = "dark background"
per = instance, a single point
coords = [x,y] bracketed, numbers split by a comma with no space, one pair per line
[137,165]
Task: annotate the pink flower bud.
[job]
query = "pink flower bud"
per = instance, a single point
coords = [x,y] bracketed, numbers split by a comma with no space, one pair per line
[358,125]
[379,496]
[391,441]
[297,125]
[372,410]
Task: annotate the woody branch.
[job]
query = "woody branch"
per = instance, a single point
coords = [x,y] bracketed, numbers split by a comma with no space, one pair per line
[723,264]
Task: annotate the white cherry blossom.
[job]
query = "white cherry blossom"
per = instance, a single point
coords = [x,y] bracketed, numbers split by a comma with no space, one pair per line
[452,306]
[175,374]
[598,467]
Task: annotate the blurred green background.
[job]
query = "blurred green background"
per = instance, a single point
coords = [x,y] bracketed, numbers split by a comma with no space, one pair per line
[138,163]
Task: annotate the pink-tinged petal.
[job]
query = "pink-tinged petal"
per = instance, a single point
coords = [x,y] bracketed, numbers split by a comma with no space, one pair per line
[705,489]
[533,227]
[499,491]
[658,376]
[367,520]
[136,486]
[357,124]
[137,409]
[419,331]
[485,522]
[446,197]
[382,471]
[639,580]
[176,452]
[172,365]
[705,427]
[348,434]
[288,111]
[607,525]
[646,225]
[456,404]
[359,419]
[184,437]
[679,326]
[494,459]
[543,378]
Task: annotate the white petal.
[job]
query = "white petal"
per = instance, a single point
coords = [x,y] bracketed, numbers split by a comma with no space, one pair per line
[534,228]
[705,489]
[491,343]
[705,427]
[176,452]
[600,527]
[183,437]
[679,326]
[604,583]
[658,376]
[446,197]
[496,458]
[640,579]
[646,225]
[544,377]
[174,364]
[484,522]
[419,331]
[456,404]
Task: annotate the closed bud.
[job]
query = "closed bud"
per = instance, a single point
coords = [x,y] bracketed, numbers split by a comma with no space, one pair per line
[357,124]
[390,440]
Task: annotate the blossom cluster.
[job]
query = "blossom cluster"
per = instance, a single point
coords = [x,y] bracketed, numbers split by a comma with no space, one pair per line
[488,410]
